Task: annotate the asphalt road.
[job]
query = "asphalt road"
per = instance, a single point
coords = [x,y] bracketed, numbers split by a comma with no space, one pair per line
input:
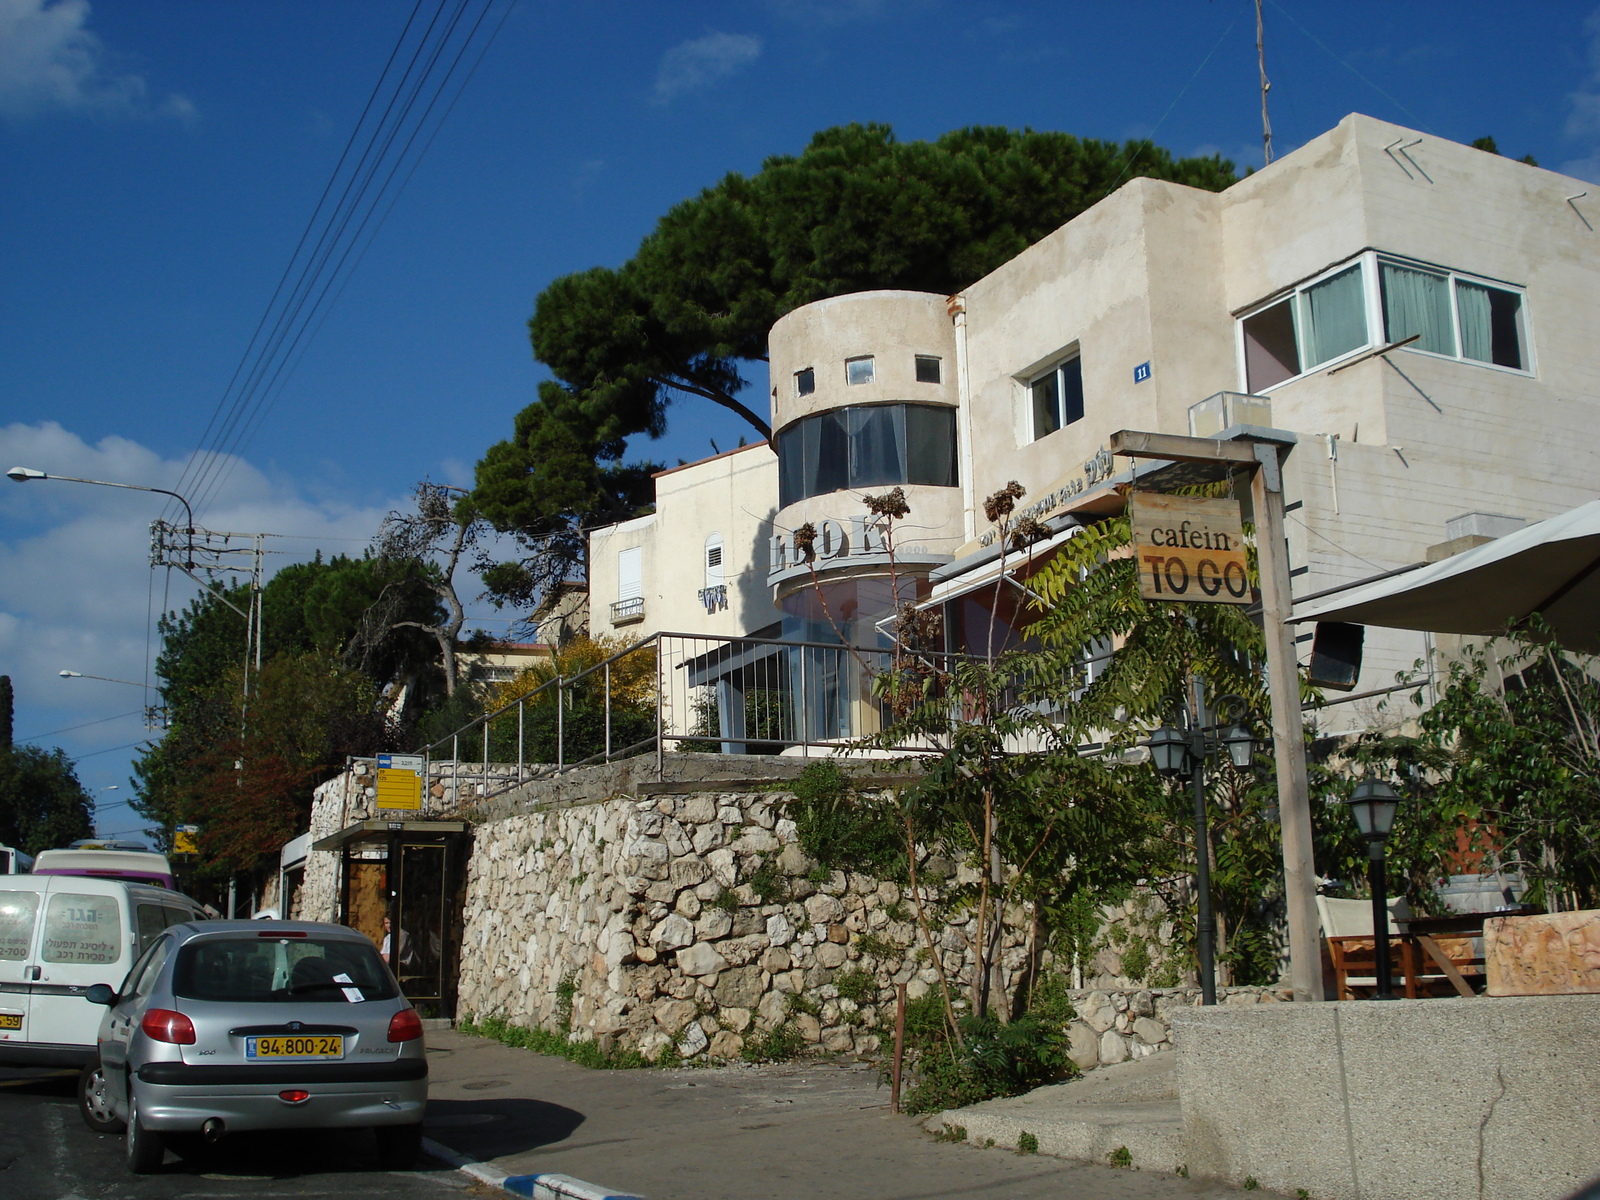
[47,1153]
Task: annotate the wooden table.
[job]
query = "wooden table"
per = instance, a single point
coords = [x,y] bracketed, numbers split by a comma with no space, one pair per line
[1423,931]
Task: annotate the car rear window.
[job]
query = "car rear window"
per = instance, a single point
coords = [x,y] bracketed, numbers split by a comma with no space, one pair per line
[18,912]
[266,970]
[80,928]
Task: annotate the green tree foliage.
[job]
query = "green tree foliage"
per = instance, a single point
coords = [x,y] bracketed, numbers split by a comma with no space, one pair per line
[1506,763]
[42,804]
[856,210]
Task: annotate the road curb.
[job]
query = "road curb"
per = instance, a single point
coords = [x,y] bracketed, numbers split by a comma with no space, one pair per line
[545,1186]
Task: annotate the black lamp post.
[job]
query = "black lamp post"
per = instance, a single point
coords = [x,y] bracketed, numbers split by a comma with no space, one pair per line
[1178,752]
[1373,804]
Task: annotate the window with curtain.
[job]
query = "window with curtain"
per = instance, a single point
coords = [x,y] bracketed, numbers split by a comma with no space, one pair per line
[864,446]
[1319,322]
[1057,397]
[1454,316]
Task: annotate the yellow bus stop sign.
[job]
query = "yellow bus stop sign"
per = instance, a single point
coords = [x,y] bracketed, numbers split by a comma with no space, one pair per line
[400,781]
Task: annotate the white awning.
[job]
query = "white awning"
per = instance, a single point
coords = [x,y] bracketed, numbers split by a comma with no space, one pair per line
[1551,568]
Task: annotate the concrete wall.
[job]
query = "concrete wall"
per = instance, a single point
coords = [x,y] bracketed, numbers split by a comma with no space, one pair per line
[1485,1098]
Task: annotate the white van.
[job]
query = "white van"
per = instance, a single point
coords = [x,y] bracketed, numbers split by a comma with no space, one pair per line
[58,935]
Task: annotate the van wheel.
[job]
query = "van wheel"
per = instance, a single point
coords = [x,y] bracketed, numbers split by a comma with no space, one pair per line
[94,1101]
[398,1146]
[145,1147]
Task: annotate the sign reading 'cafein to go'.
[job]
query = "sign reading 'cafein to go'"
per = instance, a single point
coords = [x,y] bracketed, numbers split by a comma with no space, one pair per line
[1189,549]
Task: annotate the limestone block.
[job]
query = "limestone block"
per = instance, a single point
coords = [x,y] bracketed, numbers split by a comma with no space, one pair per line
[755,840]
[673,1015]
[1149,1031]
[888,893]
[652,1043]
[727,1045]
[693,1041]
[743,949]
[724,866]
[838,1040]
[647,823]
[1098,1011]
[1083,1043]
[1142,1004]
[677,839]
[810,1028]
[813,979]
[1120,1001]
[738,988]
[673,932]
[760,813]
[1241,999]
[661,892]
[1550,955]
[697,810]
[821,909]
[689,905]
[709,890]
[689,872]
[730,814]
[1113,1048]
[684,985]
[714,923]
[836,884]
[830,955]
[838,933]
[701,959]
[736,1019]
[774,1007]
[707,837]
[620,949]
[862,885]
[785,830]
[775,959]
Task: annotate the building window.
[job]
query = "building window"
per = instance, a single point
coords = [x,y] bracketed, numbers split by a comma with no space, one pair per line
[714,573]
[858,370]
[1453,316]
[927,368]
[869,445]
[1317,323]
[629,604]
[1057,397]
[805,382]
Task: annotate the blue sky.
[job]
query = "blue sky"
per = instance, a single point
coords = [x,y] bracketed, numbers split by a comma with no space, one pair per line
[162,160]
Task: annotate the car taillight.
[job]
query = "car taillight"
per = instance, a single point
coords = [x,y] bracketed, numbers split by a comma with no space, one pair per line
[164,1025]
[405,1025]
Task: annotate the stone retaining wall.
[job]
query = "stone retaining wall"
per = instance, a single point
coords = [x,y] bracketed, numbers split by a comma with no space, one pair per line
[1113,1026]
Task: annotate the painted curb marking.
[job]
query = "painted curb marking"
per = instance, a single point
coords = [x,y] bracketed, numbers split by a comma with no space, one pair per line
[545,1186]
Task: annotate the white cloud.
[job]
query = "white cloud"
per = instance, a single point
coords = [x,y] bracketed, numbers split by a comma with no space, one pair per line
[700,62]
[1583,115]
[51,62]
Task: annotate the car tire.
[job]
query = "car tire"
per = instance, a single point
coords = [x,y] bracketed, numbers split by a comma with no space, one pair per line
[399,1146]
[145,1147]
[94,1101]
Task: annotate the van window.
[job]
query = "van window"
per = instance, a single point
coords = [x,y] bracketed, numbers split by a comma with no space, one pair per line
[143,979]
[152,920]
[181,916]
[18,912]
[81,929]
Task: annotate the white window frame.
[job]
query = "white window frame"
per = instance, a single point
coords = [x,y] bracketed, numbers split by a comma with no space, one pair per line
[1377,328]
[1073,353]
[1372,306]
[1524,331]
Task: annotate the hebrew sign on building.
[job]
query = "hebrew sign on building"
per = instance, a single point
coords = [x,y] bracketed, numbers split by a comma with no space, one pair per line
[1189,549]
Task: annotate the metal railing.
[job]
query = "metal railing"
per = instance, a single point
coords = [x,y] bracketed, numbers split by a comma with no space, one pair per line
[680,692]
[627,610]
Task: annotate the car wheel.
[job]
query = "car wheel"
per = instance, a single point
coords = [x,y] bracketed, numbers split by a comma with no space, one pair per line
[398,1146]
[145,1147]
[94,1101]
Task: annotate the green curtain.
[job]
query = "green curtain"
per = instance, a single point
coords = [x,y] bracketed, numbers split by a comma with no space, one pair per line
[1419,302]
[1477,338]
[1335,314]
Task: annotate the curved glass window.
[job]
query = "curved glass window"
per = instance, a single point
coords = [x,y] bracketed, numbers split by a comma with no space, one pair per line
[867,446]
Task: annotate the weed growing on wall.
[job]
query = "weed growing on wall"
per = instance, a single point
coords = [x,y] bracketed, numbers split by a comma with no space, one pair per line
[544,1041]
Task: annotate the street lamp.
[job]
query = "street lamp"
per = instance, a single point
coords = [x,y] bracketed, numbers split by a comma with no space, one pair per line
[102,678]
[1374,804]
[1182,752]
[28,474]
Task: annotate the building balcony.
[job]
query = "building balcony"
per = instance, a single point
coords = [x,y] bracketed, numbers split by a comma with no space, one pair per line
[628,612]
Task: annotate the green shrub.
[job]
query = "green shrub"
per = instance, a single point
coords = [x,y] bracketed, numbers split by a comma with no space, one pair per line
[727,900]
[1027,1143]
[855,984]
[991,1060]
[767,882]
[1120,1157]
[544,1041]
[842,830]
[877,947]
[778,1044]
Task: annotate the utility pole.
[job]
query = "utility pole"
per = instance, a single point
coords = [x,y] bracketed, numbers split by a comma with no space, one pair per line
[1266,86]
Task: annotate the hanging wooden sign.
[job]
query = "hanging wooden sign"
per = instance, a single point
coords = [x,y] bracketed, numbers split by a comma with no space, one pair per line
[1189,549]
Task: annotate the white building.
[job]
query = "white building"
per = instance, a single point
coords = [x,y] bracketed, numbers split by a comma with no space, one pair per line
[1422,315]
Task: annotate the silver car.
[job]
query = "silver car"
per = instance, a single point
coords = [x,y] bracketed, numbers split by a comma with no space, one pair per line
[230,1026]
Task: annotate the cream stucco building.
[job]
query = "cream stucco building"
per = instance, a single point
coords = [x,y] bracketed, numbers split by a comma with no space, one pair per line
[1423,316]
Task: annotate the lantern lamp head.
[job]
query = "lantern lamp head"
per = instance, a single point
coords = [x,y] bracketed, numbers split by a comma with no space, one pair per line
[1373,804]
[1169,750]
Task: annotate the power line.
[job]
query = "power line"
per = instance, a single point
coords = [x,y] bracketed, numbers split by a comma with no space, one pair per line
[68,729]
[107,750]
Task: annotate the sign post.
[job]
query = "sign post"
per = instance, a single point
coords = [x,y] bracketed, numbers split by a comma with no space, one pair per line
[1189,549]
[1262,458]
[400,781]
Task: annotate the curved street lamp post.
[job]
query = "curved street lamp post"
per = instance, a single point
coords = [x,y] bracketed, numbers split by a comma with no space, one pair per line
[1183,752]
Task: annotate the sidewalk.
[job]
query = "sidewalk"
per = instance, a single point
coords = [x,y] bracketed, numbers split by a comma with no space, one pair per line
[792,1131]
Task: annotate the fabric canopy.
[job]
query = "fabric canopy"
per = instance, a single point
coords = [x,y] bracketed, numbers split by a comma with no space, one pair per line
[1551,569]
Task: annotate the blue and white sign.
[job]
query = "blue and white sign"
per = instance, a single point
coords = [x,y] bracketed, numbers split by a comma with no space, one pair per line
[400,762]
[1141,372]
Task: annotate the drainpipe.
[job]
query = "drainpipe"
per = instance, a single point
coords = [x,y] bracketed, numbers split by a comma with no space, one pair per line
[956,306]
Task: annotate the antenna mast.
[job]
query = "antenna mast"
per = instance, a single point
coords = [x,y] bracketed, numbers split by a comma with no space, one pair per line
[1266,86]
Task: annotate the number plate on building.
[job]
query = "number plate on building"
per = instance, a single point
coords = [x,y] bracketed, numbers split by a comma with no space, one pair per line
[304,1047]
